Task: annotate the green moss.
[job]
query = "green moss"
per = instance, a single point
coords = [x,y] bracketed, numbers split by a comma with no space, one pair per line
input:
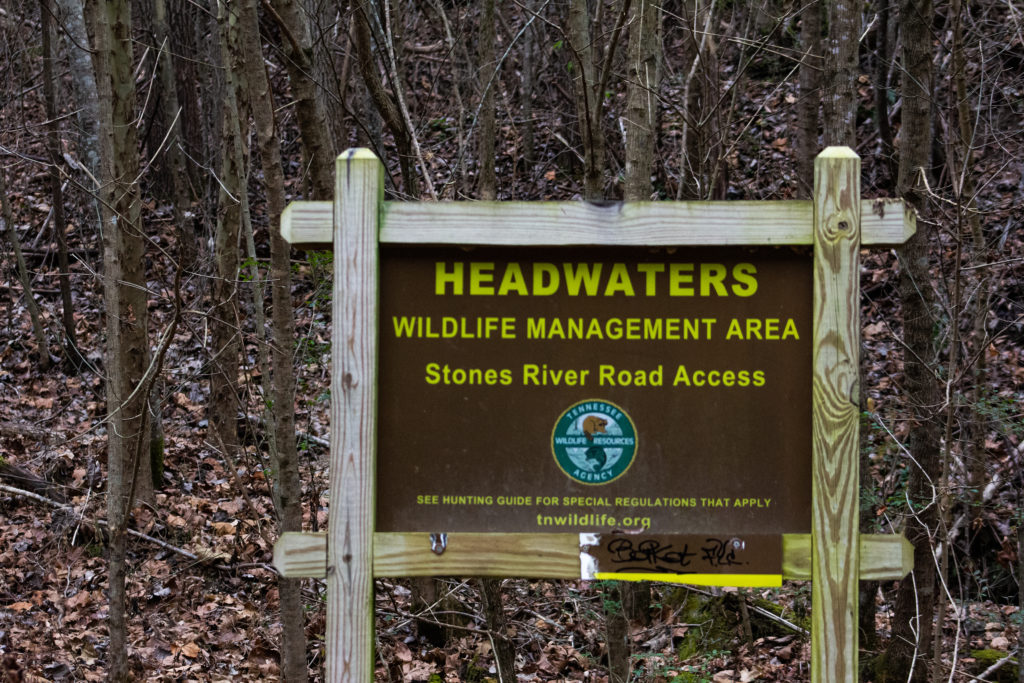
[715,629]
[472,673]
[689,677]
[983,659]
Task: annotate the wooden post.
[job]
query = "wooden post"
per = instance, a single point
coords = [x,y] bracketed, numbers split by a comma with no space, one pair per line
[358,196]
[835,413]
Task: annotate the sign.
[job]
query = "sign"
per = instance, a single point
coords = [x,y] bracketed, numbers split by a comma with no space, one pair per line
[562,386]
[745,561]
[594,389]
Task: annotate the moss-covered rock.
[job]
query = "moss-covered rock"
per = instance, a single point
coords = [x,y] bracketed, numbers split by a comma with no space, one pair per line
[763,626]
[713,627]
[983,659]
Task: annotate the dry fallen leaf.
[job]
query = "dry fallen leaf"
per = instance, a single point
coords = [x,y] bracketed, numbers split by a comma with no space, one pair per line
[223,528]
[1000,643]
[190,650]
[402,652]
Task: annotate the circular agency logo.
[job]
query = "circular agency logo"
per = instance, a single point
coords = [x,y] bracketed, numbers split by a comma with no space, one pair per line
[594,442]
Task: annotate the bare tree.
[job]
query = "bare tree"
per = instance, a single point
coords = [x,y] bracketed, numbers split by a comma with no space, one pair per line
[915,601]
[530,56]
[316,141]
[170,146]
[125,301]
[810,96]
[38,331]
[59,223]
[388,104]
[225,328]
[641,123]
[287,484]
[592,71]
[83,87]
[642,97]
[840,90]
[488,180]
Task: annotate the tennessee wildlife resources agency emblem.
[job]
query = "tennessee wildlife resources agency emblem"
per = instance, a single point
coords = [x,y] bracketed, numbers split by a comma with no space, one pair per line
[594,442]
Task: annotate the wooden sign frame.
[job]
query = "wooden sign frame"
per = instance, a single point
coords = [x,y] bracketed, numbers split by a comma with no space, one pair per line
[837,222]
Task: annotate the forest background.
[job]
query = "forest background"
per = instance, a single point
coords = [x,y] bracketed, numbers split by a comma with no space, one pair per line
[160,344]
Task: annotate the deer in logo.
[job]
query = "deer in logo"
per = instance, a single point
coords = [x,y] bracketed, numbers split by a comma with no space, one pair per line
[595,455]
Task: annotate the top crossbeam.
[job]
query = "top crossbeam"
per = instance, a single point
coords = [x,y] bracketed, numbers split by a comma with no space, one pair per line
[884,222]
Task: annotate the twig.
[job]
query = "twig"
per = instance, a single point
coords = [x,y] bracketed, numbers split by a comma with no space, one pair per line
[102,523]
[16,429]
[302,436]
[775,617]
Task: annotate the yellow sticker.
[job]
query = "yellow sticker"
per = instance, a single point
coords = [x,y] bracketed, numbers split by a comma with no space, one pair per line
[734,580]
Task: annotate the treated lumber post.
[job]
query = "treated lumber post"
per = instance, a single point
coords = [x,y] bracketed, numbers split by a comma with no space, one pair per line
[547,556]
[885,222]
[358,196]
[835,412]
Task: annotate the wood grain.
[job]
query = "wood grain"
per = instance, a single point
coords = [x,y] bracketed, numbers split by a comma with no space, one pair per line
[350,625]
[307,224]
[551,556]
[835,412]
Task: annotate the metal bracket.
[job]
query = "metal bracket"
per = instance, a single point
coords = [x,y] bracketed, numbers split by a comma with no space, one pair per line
[438,543]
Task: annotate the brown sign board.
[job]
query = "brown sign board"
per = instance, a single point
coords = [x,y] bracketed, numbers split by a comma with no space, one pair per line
[594,390]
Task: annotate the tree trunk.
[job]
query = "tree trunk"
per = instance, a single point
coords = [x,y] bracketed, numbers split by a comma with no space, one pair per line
[83,87]
[170,121]
[642,98]
[287,485]
[588,107]
[840,75]
[980,282]
[225,327]
[641,127]
[497,626]
[810,97]
[317,153]
[530,53]
[57,195]
[124,286]
[882,61]
[462,184]
[26,282]
[702,171]
[389,111]
[187,44]
[331,78]
[488,179]
[616,632]
[915,601]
